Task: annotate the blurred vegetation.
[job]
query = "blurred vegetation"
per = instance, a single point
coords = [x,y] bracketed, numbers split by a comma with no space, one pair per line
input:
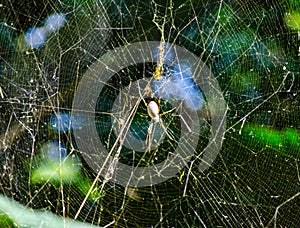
[252,48]
[20,216]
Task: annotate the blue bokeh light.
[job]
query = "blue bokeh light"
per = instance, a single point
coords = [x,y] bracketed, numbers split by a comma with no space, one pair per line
[35,37]
[62,122]
[178,83]
[54,22]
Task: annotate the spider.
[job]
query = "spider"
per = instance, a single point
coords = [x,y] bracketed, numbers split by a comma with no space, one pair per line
[153,110]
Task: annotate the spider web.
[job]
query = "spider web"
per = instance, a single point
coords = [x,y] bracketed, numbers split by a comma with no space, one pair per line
[73,122]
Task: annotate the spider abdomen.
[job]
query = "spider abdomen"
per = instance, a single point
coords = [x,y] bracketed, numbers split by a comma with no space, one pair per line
[153,110]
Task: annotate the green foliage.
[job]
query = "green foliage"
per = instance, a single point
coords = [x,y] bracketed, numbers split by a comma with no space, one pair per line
[6,221]
[56,172]
[284,141]
[65,172]
[84,185]
[26,217]
[293,20]
[294,4]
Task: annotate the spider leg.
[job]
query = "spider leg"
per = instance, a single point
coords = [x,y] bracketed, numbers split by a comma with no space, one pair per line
[162,124]
[158,101]
[164,113]
[150,128]
[142,96]
[143,116]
